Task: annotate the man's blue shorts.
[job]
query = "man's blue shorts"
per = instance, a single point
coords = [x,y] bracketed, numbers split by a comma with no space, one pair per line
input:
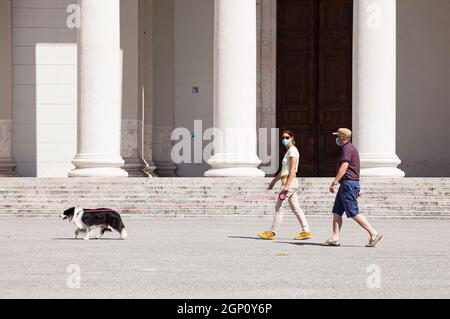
[347,199]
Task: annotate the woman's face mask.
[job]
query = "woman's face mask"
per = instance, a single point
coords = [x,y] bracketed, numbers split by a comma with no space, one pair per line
[286,142]
[337,142]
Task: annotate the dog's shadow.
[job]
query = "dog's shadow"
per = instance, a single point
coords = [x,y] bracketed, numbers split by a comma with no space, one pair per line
[92,239]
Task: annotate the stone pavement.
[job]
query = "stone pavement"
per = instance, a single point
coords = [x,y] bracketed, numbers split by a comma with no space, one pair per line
[182,258]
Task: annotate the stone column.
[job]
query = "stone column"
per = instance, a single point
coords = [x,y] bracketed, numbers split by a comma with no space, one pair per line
[235,91]
[7,164]
[374,115]
[100,91]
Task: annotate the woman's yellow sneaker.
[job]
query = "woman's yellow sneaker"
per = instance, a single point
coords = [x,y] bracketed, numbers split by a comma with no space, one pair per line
[267,235]
[304,236]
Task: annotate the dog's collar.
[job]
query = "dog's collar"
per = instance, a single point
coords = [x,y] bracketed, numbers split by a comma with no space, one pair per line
[78,211]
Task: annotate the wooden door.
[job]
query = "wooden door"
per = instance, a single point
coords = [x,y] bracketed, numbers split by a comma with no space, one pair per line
[314,77]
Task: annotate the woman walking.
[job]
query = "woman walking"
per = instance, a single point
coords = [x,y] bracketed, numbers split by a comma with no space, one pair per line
[289,194]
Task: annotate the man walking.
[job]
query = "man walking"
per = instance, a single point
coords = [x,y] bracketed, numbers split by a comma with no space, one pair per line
[349,190]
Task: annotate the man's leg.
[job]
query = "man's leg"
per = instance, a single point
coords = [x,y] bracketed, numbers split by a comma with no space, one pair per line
[337,226]
[364,223]
[338,211]
[350,200]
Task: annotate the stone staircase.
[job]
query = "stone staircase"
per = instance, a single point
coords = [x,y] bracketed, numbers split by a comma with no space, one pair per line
[216,198]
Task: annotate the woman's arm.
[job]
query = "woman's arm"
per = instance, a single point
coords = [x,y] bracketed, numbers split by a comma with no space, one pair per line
[274,181]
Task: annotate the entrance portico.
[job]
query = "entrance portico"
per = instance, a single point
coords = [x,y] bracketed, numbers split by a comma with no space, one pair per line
[235,103]
[199,60]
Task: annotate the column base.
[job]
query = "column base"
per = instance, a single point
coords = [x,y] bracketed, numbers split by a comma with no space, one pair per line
[8,168]
[166,169]
[373,165]
[98,166]
[136,167]
[382,172]
[150,169]
[99,172]
[235,172]
[232,166]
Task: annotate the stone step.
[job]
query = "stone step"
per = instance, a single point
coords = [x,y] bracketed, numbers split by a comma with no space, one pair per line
[156,185]
[212,191]
[218,199]
[262,203]
[178,180]
[393,185]
[387,208]
[59,207]
[399,187]
[209,199]
[215,198]
[207,187]
[224,214]
[229,183]
[219,191]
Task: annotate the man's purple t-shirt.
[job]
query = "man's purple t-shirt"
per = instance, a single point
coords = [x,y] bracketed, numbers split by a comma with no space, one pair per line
[350,154]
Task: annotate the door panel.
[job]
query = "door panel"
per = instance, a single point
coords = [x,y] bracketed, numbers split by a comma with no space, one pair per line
[297,89]
[335,78]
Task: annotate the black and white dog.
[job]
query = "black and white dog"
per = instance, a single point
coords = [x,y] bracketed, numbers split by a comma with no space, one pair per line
[87,219]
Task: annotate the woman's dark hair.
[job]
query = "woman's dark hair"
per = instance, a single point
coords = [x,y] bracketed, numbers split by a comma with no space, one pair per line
[291,135]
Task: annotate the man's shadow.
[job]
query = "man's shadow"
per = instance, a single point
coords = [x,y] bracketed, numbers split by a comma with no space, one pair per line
[299,243]
[318,244]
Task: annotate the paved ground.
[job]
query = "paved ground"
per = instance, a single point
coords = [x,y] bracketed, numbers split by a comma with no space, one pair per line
[222,259]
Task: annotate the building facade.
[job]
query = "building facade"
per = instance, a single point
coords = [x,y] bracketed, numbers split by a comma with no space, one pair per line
[97,87]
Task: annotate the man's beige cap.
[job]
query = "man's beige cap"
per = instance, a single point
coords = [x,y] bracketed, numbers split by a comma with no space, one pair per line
[344,132]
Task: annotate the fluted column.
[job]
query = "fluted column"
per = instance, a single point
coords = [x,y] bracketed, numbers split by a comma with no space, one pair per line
[100,91]
[374,116]
[235,90]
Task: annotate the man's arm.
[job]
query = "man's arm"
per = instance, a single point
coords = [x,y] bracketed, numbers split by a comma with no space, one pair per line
[342,170]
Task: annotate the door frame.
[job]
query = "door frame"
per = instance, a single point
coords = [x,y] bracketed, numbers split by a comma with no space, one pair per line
[267,64]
